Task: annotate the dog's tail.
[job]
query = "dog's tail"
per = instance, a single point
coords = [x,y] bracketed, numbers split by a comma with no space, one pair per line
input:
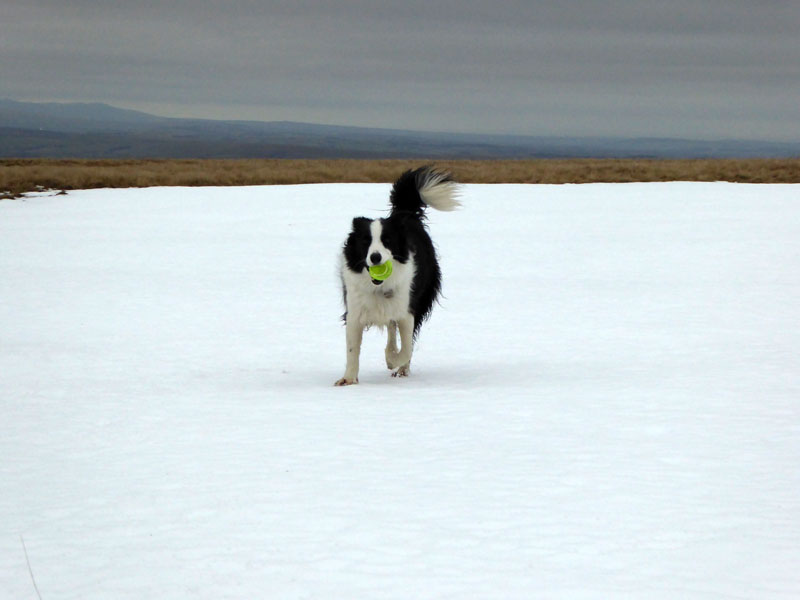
[422,187]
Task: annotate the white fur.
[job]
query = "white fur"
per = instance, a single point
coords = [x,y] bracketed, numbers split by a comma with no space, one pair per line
[376,228]
[438,194]
[370,304]
[384,305]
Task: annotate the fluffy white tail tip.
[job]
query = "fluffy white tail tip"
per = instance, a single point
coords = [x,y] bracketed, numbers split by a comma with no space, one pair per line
[440,193]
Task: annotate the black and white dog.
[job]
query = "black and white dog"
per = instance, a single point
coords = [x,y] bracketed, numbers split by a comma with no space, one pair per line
[405,299]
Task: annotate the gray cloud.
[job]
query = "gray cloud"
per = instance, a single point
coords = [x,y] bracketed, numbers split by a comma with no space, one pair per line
[713,69]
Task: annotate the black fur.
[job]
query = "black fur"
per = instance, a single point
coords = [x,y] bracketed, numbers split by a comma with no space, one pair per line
[357,244]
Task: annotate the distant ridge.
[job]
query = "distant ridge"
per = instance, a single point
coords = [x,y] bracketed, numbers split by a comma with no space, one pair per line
[94,130]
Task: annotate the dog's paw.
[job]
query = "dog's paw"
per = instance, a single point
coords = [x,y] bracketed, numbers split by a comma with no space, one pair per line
[402,371]
[345,381]
[397,360]
[392,360]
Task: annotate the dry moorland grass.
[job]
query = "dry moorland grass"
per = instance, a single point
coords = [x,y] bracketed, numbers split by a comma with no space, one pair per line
[18,176]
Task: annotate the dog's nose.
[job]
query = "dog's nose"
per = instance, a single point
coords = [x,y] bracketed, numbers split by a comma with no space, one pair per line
[375,258]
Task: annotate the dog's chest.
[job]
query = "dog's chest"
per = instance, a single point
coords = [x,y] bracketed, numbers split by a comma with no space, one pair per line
[372,304]
[377,306]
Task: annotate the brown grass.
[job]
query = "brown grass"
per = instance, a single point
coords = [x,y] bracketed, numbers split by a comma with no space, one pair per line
[24,175]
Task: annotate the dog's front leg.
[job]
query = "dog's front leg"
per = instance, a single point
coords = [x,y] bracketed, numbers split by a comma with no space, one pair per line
[354,333]
[391,345]
[403,360]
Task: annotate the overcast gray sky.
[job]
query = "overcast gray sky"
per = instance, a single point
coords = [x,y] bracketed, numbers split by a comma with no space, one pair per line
[681,68]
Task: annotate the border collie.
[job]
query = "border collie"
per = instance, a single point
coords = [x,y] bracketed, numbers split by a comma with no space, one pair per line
[405,299]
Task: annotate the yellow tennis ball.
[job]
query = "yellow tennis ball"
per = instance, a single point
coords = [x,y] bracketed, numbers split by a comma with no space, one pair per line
[381,272]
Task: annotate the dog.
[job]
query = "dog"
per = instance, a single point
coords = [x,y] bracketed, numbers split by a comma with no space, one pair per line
[405,299]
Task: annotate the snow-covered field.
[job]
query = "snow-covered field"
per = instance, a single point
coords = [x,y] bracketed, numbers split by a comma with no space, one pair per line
[605,405]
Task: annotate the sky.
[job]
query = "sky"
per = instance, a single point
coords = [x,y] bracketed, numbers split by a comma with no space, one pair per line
[702,69]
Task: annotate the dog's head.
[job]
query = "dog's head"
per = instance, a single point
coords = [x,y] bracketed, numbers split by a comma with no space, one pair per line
[373,242]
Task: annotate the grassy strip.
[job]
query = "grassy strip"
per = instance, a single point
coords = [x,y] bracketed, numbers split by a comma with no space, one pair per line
[25,175]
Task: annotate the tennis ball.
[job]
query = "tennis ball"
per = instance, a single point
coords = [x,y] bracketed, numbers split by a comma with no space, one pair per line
[381,272]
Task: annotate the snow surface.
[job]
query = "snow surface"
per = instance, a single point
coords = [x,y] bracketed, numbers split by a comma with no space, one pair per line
[605,405]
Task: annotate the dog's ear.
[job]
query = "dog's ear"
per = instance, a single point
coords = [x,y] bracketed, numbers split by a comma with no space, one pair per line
[361,224]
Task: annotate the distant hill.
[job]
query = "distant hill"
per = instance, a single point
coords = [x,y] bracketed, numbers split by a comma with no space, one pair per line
[51,130]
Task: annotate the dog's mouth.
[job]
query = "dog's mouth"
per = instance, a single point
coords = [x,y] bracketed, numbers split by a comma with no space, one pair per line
[376,282]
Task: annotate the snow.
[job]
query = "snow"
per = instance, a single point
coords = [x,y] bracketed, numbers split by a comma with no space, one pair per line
[605,405]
